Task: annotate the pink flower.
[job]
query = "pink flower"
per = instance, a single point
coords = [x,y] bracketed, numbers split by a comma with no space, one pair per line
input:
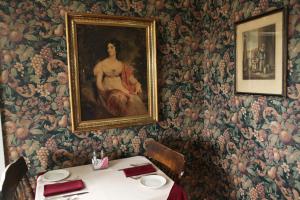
[206,133]
[33,102]
[49,87]
[262,135]
[44,107]
[62,78]
[138,6]
[59,101]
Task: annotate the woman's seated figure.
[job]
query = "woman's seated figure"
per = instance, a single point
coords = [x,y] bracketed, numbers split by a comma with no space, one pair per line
[117,85]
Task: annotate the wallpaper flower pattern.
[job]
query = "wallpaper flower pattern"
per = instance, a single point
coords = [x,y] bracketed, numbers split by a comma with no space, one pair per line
[237,147]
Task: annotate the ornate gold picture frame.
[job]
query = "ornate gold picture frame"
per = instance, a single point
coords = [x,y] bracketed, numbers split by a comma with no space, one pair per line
[112,71]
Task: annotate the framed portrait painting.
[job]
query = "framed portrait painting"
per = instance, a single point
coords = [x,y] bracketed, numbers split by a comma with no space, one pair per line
[112,71]
[261,54]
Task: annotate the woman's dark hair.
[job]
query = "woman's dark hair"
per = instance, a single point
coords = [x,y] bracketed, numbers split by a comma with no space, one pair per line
[117,45]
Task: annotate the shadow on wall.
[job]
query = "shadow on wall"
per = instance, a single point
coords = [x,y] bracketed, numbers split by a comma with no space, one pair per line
[204,178]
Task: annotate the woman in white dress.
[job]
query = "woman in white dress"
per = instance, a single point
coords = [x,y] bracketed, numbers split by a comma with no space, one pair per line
[119,91]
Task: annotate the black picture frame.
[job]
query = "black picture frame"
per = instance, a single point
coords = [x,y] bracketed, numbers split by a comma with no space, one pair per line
[261,54]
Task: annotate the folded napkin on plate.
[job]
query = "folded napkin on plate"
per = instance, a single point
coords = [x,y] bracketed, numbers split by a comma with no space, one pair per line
[177,193]
[139,170]
[59,188]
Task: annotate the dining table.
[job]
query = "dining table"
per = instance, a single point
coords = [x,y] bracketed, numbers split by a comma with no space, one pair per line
[110,183]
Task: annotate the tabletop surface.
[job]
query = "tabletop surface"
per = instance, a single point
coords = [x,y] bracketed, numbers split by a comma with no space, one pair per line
[111,183]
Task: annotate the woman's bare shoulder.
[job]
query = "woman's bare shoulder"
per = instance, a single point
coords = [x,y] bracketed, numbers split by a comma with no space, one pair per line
[98,67]
[101,62]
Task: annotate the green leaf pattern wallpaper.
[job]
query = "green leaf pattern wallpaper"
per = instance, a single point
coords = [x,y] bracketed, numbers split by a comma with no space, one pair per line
[237,147]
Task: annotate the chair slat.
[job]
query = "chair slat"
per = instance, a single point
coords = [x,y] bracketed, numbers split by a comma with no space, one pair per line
[173,161]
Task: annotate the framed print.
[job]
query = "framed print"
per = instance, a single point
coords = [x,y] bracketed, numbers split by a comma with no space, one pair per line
[112,71]
[261,54]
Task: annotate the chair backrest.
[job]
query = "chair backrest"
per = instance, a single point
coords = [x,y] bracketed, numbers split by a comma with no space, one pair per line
[12,178]
[171,160]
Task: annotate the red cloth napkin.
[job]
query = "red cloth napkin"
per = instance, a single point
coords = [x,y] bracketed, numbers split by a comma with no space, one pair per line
[59,188]
[177,193]
[135,171]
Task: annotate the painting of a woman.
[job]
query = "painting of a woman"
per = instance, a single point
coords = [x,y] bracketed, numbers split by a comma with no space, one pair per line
[118,90]
[112,63]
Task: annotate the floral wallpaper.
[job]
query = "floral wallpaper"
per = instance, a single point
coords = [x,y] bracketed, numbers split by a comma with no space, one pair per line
[256,138]
[236,146]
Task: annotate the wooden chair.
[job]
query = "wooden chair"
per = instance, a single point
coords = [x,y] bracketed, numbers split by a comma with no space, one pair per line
[169,160]
[15,183]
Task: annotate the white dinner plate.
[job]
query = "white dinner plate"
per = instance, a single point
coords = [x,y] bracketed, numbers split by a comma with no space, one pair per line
[56,175]
[153,181]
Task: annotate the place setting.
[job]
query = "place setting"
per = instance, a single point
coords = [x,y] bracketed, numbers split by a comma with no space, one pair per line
[146,174]
[56,175]
[153,181]
[58,185]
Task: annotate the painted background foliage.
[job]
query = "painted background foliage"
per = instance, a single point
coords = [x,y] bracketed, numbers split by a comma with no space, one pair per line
[237,147]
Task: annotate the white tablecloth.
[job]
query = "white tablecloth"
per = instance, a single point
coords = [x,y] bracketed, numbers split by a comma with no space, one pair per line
[111,183]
